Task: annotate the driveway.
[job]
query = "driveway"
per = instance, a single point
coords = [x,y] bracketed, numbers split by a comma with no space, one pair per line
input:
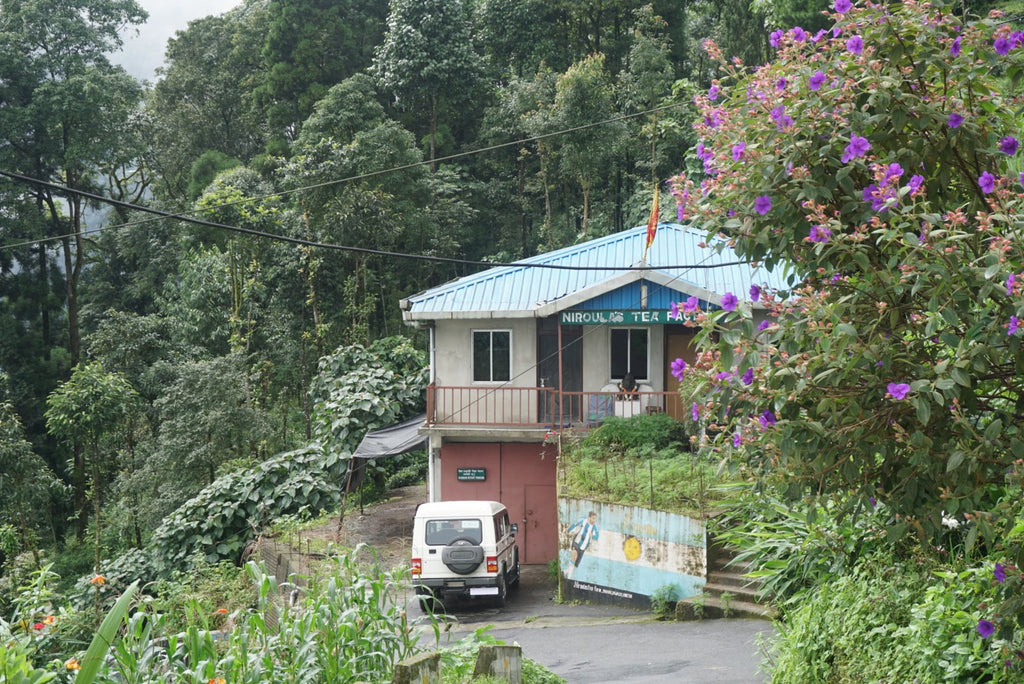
[601,643]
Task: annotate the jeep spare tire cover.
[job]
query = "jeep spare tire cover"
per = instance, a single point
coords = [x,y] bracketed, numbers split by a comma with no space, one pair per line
[462,556]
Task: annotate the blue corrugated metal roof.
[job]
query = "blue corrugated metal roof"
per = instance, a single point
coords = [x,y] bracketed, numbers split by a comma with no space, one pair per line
[682,262]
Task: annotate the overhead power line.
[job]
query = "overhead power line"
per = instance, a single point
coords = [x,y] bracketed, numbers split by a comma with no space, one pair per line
[334,247]
[184,216]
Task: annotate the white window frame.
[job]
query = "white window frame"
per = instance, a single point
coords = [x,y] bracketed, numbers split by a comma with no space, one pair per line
[629,342]
[472,355]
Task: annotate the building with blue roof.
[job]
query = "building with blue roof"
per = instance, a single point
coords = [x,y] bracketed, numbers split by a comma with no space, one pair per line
[521,353]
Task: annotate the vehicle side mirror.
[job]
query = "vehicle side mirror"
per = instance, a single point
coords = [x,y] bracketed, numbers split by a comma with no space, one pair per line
[515,529]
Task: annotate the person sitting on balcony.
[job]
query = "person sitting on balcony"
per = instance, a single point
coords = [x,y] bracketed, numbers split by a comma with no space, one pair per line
[627,388]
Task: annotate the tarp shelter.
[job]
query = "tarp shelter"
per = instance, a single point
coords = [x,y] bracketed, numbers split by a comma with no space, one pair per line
[393,440]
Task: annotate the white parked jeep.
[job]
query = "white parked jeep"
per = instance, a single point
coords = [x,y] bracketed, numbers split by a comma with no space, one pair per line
[464,549]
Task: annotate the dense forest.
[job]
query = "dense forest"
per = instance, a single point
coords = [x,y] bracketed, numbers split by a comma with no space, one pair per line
[184,261]
[146,353]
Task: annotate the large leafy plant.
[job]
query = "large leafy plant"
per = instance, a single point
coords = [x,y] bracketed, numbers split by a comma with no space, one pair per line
[877,161]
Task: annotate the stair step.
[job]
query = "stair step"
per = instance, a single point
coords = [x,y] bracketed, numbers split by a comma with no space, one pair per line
[733,579]
[713,608]
[716,590]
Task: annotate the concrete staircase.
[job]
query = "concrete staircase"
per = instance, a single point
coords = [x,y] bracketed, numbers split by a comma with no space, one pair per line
[727,593]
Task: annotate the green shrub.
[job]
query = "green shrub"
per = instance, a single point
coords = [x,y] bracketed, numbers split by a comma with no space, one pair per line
[663,600]
[891,622]
[792,547]
[657,431]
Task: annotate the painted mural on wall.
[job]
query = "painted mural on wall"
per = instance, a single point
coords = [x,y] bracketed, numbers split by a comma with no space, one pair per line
[623,554]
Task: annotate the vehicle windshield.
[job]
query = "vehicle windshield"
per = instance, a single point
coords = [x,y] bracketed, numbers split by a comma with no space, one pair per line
[444,532]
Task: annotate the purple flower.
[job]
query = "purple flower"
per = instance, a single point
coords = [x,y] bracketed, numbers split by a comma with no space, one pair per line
[1010,281]
[1021,178]
[679,213]
[713,92]
[816,80]
[781,119]
[722,376]
[729,301]
[748,376]
[767,419]
[897,390]
[954,49]
[842,6]
[780,84]
[1002,46]
[679,369]
[1008,145]
[915,183]
[858,147]
[819,234]
[691,305]
[775,38]
[986,629]
[737,151]
[987,182]
[999,573]
[695,412]
[763,204]
[764,325]
[893,171]
[855,45]
[955,120]
[673,310]
[755,293]
[799,35]
[1012,326]
[737,439]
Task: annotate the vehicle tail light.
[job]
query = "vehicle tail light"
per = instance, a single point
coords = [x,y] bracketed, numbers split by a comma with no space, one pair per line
[492,564]
[416,566]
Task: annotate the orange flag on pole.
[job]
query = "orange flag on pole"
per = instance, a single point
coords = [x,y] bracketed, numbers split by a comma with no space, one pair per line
[652,222]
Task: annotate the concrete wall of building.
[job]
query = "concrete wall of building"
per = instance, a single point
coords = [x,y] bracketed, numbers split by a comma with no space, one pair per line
[454,356]
[636,552]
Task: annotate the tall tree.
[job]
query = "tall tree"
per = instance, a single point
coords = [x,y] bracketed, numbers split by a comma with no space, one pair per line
[202,102]
[91,412]
[427,58]
[64,108]
[310,46]
[585,106]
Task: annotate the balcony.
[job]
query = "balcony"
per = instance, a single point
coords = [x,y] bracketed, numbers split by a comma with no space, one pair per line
[539,407]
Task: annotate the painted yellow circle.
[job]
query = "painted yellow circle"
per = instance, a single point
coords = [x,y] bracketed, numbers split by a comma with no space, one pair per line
[631,547]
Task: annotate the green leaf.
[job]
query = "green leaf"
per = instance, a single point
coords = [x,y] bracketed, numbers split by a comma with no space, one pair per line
[104,637]
[955,459]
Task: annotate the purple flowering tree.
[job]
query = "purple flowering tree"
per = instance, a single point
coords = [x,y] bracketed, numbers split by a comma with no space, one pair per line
[877,164]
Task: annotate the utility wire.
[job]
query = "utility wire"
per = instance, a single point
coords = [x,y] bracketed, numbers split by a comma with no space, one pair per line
[330,246]
[184,216]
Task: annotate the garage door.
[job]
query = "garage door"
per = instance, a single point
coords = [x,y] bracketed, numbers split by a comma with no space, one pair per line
[521,476]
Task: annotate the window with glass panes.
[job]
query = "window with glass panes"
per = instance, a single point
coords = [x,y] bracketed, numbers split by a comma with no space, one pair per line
[629,353]
[492,355]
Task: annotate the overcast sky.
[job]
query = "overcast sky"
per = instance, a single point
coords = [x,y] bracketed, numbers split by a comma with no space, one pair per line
[145,52]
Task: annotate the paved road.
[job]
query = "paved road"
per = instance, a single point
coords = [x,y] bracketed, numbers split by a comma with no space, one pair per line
[595,643]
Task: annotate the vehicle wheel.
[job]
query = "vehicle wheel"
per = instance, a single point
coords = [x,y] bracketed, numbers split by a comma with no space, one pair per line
[502,591]
[462,556]
[516,571]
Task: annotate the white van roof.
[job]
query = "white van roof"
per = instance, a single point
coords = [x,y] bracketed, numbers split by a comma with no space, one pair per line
[458,509]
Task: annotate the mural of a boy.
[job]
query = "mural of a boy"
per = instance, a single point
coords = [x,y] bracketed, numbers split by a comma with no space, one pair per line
[582,533]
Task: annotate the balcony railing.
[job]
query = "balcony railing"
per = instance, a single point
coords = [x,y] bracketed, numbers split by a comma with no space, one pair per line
[539,407]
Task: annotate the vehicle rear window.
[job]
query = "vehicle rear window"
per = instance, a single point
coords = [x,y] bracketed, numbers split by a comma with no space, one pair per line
[444,532]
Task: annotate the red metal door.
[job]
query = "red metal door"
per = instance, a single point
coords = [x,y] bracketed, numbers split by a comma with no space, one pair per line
[540,543]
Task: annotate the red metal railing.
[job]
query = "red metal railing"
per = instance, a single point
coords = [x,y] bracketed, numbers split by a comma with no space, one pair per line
[537,407]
